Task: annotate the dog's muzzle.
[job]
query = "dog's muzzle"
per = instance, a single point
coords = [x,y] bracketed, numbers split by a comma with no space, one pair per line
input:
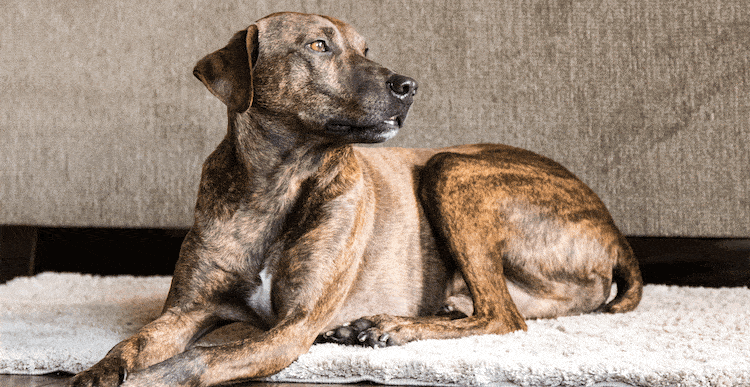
[383,125]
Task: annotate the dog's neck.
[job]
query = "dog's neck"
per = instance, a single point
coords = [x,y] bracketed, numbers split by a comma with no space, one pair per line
[278,160]
[271,153]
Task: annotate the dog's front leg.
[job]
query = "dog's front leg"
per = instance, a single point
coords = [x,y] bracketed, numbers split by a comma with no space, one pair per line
[207,366]
[309,305]
[161,339]
[316,267]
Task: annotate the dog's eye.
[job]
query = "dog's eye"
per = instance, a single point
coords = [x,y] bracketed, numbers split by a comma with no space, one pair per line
[318,46]
[367,50]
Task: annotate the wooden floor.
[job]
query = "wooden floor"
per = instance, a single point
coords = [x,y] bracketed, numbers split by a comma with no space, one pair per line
[58,380]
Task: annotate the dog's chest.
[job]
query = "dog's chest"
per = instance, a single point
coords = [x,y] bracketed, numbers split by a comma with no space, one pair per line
[259,299]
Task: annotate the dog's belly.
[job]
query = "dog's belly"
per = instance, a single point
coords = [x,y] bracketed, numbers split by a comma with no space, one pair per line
[401,272]
[405,280]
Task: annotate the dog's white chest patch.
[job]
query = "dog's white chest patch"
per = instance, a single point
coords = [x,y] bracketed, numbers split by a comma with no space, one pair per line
[260,298]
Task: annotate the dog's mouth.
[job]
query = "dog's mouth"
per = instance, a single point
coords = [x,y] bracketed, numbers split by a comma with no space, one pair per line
[367,133]
[396,121]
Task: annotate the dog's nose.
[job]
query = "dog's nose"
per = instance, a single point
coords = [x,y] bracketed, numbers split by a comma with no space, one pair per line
[404,88]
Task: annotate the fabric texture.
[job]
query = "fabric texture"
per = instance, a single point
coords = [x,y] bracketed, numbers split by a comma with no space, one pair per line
[103,124]
[678,336]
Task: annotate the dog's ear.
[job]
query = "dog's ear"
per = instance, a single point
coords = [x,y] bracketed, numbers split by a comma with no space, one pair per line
[227,73]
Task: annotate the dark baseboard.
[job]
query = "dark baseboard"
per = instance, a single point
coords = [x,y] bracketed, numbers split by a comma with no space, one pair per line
[17,251]
[108,251]
[709,262]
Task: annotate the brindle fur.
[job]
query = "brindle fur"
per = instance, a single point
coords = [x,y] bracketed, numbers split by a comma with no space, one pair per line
[298,232]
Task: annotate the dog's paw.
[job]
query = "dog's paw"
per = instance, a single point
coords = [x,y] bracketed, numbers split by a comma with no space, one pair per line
[104,374]
[359,332]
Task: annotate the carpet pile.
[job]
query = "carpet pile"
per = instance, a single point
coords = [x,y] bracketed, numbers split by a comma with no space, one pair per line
[678,336]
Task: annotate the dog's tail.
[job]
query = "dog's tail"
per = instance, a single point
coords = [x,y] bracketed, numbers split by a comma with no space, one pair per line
[627,276]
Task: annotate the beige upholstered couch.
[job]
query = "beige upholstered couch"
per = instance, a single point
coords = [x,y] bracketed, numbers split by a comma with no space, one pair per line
[103,124]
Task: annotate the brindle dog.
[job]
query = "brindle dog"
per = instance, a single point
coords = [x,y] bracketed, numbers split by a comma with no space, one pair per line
[298,232]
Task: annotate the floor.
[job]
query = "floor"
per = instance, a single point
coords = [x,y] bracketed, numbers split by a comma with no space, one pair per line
[59,381]
[674,261]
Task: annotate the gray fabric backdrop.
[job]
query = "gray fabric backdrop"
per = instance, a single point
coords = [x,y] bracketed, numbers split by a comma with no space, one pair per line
[648,101]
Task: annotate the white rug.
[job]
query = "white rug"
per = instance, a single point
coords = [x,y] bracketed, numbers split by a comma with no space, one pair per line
[677,337]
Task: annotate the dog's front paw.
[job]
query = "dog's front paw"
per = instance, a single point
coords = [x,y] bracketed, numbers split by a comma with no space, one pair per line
[106,373]
[359,332]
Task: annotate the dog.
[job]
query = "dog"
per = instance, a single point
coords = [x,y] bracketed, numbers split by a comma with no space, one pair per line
[308,238]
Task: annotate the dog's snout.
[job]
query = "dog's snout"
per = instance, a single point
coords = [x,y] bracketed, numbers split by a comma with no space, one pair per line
[404,88]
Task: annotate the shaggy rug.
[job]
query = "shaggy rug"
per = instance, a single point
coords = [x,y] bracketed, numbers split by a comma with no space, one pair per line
[678,336]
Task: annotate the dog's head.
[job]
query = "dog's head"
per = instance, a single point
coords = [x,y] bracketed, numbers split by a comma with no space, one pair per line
[314,70]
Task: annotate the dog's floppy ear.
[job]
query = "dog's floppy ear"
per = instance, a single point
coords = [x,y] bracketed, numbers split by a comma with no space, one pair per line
[227,73]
